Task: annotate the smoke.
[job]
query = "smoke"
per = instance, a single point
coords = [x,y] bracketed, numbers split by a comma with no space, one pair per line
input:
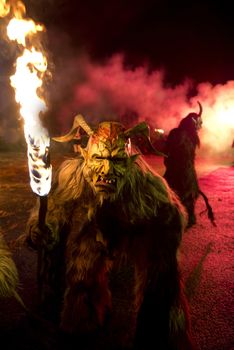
[111,91]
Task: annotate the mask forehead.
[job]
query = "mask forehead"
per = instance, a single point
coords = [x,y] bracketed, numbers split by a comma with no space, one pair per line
[110,130]
[108,138]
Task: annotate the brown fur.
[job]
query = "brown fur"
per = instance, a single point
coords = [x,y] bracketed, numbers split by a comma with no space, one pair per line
[8,271]
[143,220]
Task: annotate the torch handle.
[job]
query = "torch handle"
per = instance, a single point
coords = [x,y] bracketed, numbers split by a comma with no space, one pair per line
[41,251]
[42,211]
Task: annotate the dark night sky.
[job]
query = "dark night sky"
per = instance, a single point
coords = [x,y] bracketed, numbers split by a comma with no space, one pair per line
[192,39]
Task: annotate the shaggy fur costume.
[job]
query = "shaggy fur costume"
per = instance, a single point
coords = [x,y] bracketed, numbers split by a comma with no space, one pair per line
[8,271]
[87,234]
[180,174]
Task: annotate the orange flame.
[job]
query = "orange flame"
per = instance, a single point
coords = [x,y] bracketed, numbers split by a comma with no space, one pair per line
[27,80]
[4,8]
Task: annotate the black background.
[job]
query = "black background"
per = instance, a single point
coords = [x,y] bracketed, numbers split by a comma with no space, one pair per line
[185,38]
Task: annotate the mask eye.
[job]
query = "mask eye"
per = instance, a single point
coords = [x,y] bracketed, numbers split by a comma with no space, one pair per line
[98,157]
[117,160]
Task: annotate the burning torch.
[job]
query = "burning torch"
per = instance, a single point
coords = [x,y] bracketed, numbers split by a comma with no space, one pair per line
[30,69]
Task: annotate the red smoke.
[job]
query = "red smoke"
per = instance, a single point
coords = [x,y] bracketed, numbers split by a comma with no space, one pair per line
[110,91]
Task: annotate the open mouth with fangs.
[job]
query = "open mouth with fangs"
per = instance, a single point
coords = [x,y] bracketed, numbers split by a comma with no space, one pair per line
[105,184]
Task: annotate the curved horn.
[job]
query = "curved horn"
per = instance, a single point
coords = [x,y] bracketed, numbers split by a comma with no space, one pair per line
[142,128]
[200,108]
[77,123]
[140,136]
[68,137]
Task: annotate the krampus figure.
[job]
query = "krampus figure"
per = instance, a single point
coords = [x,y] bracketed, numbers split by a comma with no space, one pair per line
[180,174]
[8,272]
[105,204]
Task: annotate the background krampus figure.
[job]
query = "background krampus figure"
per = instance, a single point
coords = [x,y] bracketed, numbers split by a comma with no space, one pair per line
[104,204]
[180,148]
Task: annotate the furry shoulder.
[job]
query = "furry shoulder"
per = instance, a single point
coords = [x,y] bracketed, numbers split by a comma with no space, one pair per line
[68,181]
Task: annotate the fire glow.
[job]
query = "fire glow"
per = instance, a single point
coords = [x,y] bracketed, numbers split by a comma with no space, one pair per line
[159,131]
[218,119]
[27,81]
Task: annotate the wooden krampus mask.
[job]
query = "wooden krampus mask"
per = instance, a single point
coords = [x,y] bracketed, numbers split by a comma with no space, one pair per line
[110,151]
